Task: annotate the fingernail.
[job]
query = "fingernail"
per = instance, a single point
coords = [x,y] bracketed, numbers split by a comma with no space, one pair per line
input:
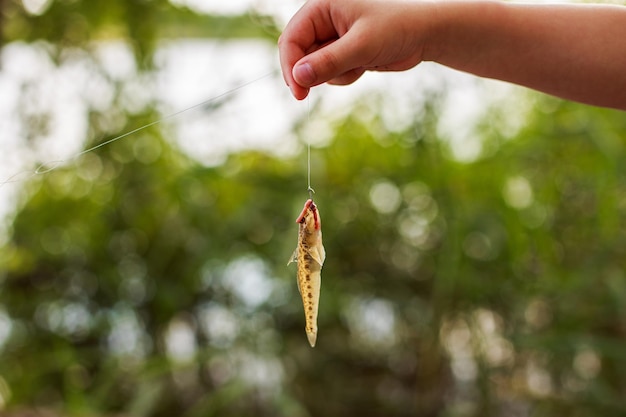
[304,75]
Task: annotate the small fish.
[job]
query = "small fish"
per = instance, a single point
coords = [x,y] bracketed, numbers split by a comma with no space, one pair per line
[309,255]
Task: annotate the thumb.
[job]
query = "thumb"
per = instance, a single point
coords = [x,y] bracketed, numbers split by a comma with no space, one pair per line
[329,62]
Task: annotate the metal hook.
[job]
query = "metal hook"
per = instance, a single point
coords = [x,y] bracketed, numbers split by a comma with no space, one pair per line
[311,192]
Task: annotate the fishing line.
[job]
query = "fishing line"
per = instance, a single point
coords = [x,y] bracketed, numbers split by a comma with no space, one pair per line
[49,166]
[308,165]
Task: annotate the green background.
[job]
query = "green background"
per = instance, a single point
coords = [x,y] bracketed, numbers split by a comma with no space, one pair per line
[156,286]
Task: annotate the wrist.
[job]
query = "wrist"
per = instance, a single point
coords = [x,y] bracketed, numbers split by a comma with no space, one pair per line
[433,26]
[458,28]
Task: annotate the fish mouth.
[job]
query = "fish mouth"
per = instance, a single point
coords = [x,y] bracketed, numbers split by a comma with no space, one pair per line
[309,204]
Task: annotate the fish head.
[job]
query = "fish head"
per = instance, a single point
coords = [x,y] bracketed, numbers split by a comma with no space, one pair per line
[309,218]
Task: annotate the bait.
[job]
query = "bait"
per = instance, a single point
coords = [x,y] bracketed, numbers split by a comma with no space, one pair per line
[309,255]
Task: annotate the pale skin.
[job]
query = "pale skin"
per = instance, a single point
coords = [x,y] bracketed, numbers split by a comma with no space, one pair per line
[573,51]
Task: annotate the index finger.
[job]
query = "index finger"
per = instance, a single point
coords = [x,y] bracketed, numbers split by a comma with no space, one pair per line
[306,30]
[290,53]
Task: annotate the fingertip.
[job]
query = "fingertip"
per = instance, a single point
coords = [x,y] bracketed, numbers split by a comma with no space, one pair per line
[300,93]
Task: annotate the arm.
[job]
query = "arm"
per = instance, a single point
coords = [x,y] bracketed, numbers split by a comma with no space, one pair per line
[576,52]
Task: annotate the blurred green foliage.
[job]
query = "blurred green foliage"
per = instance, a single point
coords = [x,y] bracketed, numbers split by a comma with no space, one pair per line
[75,23]
[139,282]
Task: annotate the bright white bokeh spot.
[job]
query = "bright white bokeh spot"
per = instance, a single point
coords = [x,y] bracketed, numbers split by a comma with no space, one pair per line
[587,363]
[36,7]
[248,279]
[372,322]
[5,328]
[127,336]
[538,379]
[262,372]
[215,6]
[456,337]
[180,341]
[518,193]
[385,197]
[219,324]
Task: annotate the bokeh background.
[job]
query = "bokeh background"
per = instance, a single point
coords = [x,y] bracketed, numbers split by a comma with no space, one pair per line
[474,231]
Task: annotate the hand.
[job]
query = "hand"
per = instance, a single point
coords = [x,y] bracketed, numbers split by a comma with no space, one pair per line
[336,42]
[572,51]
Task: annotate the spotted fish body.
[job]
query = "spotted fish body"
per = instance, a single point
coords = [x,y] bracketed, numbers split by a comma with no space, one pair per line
[309,255]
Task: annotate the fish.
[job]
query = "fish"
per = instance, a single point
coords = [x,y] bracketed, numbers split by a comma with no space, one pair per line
[310,256]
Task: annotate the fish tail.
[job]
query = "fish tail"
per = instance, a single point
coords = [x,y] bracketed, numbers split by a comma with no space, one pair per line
[312,336]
